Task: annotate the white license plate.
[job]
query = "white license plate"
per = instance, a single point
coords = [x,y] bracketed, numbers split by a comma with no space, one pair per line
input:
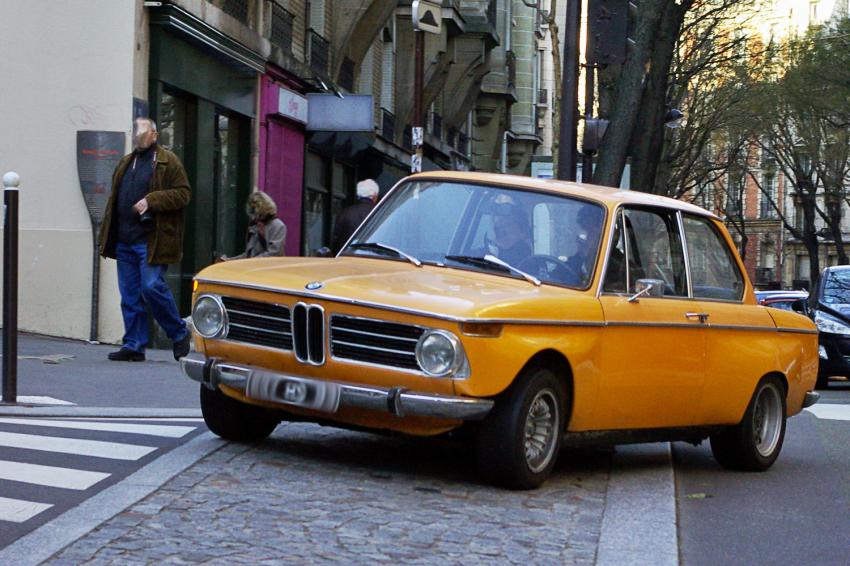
[291,390]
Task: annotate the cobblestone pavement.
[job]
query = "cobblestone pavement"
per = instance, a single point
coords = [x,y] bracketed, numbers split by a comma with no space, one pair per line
[312,495]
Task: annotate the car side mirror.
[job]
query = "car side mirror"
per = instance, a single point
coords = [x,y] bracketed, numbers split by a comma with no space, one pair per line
[324,251]
[647,288]
[799,306]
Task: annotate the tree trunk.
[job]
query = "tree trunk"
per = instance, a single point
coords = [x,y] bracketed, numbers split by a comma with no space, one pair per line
[615,144]
[648,136]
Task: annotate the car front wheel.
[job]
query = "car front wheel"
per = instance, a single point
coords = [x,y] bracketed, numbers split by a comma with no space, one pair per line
[232,420]
[755,442]
[518,442]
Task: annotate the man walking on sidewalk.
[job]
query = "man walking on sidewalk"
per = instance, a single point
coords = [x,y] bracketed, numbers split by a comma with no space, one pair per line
[143,229]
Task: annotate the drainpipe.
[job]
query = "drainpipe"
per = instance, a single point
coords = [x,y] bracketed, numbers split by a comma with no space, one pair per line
[505,135]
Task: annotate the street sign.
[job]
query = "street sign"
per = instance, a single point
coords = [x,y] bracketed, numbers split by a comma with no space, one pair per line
[415,163]
[426,16]
[417,136]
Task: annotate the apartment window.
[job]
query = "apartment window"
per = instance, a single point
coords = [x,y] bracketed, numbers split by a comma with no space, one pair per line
[281,34]
[318,53]
[799,219]
[768,196]
[317,16]
[237,9]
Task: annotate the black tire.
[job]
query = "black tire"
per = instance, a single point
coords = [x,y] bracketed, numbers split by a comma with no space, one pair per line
[232,420]
[754,443]
[502,455]
[822,382]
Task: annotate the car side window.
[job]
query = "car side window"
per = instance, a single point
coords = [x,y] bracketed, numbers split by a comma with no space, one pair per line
[646,245]
[714,272]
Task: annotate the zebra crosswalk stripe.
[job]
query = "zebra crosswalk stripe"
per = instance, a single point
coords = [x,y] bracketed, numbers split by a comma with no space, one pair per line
[50,476]
[18,511]
[167,431]
[96,448]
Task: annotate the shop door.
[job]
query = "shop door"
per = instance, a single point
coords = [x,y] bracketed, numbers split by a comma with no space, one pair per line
[231,183]
[285,177]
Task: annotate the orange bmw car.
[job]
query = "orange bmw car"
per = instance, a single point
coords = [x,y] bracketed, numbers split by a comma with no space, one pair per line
[530,313]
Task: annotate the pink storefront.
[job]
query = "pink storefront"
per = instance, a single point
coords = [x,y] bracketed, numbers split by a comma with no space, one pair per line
[283,115]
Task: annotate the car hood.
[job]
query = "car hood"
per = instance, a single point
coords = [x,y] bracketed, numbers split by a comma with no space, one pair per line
[440,291]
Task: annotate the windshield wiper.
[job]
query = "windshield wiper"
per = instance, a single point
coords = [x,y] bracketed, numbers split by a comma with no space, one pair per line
[491,260]
[377,246]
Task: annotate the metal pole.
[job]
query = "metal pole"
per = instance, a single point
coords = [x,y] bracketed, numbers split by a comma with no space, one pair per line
[10,288]
[418,111]
[95,285]
[568,146]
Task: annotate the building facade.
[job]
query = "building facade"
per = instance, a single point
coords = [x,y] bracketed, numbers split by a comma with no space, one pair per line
[299,98]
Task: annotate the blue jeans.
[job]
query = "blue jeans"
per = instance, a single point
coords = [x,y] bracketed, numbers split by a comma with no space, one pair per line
[140,284]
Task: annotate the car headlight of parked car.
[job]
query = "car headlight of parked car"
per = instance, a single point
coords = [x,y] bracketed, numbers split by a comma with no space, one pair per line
[208,316]
[440,354]
[830,324]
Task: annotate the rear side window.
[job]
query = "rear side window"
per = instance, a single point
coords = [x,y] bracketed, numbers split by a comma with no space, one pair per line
[714,271]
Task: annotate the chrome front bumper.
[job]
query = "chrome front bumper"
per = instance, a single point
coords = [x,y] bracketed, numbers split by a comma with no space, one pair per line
[328,396]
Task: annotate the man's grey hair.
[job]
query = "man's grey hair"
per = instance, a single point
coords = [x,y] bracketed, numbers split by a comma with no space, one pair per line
[148,120]
[367,188]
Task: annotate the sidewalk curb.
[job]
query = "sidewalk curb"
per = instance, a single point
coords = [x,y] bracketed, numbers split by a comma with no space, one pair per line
[99,412]
[49,539]
[639,520]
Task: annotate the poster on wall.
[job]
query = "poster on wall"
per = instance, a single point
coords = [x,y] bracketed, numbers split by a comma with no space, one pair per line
[98,153]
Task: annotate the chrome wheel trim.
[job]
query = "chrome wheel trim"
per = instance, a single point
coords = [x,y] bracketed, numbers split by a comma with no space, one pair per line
[541,430]
[767,420]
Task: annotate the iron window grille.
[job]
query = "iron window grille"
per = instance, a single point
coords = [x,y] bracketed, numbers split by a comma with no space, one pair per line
[318,53]
[281,34]
[387,124]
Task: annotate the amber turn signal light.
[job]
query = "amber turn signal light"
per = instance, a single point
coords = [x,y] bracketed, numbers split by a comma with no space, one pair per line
[481,329]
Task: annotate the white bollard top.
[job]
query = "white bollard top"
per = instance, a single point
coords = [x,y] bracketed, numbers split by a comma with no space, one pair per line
[11,180]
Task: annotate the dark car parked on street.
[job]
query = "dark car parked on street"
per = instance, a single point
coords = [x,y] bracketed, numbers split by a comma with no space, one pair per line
[780,299]
[829,307]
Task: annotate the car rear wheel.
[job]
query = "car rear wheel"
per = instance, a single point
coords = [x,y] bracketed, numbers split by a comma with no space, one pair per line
[517,444]
[232,420]
[755,443]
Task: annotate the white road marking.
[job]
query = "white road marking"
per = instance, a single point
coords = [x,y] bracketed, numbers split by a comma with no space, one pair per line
[51,476]
[169,431]
[18,511]
[831,411]
[39,400]
[96,448]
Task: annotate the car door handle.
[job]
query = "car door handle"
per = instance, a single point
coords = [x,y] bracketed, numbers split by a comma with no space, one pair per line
[702,316]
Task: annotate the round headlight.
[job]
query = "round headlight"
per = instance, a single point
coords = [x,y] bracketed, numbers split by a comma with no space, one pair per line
[208,316]
[438,353]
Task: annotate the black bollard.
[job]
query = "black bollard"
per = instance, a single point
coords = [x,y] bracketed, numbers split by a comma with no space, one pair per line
[10,288]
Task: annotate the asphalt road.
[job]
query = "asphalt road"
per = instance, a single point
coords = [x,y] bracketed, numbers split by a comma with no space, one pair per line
[798,512]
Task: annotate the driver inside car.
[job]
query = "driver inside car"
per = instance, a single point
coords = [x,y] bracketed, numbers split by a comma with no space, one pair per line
[512,235]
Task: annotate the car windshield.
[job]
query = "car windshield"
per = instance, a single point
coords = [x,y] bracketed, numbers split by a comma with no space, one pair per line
[535,235]
[836,291]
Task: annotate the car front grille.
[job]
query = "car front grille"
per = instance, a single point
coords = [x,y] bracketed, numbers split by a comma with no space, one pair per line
[262,324]
[374,341]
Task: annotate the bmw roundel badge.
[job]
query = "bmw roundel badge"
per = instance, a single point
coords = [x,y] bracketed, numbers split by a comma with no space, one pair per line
[313,285]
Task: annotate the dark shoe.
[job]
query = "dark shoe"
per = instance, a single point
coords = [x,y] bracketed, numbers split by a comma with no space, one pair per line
[125,355]
[181,347]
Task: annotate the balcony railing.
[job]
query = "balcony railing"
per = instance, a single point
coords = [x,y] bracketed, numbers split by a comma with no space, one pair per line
[387,124]
[318,53]
[346,74]
[281,33]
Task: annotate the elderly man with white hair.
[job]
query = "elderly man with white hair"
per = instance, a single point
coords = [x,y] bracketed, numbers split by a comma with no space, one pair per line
[351,217]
